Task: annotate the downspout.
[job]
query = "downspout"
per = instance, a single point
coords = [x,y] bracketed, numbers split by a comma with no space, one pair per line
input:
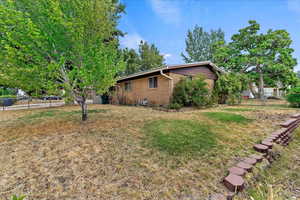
[170,78]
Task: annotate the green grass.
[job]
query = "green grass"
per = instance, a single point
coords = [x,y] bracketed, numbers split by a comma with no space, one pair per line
[238,109]
[180,136]
[227,117]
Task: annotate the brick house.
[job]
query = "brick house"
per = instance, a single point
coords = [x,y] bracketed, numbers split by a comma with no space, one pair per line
[155,87]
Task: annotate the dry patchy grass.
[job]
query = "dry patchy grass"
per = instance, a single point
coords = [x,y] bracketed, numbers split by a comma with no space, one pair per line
[51,154]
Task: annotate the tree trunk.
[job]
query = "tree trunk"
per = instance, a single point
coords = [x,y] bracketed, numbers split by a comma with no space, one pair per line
[251,87]
[261,85]
[84,111]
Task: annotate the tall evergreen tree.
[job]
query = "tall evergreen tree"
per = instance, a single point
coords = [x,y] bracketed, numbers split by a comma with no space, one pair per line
[148,57]
[132,60]
[199,44]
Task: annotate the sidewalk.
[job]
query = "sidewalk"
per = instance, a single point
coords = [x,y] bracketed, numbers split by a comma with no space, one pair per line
[31,106]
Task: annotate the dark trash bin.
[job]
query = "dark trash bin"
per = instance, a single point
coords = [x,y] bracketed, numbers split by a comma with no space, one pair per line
[7,101]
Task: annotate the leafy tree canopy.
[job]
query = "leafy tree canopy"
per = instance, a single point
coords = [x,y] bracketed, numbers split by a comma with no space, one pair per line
[265,57]
[199,44]
[50,45]
[148,57]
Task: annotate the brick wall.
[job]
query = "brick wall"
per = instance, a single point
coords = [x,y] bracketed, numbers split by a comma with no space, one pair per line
[140,90]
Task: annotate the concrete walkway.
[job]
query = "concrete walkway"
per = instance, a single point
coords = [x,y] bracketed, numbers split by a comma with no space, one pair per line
[31,106]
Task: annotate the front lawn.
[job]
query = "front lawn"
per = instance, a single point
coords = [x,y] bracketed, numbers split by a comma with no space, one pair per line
[126,152]
[227,117]
[180,136]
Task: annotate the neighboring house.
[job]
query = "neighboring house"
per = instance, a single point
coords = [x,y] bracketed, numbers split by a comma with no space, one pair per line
[155,87]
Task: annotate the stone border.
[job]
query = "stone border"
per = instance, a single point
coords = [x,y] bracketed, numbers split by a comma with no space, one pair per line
[235,182]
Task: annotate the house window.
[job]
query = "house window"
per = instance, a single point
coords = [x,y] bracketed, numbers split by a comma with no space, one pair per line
[153,82]
[128,86]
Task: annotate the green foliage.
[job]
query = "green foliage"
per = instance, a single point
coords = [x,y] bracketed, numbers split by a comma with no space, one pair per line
[175,106]
[7,91]
[199,44]
[228,88]
[148,57]
[266,58]
[293,97]
[132,60]
[227,117]
[193,92]
[52,44]
[15,197]
[180,136]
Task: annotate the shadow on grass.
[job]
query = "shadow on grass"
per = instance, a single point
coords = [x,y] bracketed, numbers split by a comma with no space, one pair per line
[227,117]
[178,137]
[56,113]
[239,109]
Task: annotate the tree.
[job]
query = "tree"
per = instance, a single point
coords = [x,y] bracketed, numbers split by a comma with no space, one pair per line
[199,44]
[132,59]
[61,44]
[148,57]
[298,74]
[264,57]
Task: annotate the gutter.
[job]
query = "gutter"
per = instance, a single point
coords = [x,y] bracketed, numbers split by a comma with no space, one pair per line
[168,77]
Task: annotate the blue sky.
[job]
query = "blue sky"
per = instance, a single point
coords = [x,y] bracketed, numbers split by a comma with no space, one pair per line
[166,22]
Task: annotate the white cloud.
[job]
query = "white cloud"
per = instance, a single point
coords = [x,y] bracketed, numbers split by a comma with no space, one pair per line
[166,55]
[131,41]
[167,10]
[294,5]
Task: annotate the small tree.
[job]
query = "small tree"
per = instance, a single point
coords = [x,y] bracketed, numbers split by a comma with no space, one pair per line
[293,97]
[191,92]
[48,45]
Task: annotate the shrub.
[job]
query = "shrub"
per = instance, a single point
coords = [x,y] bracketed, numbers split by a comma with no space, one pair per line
[175,106]
[191,92]
[293,97]
[228,88]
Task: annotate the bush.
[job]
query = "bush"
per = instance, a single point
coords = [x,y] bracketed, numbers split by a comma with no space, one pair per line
[175,106]
[189,92]
[228,88]
[293,97]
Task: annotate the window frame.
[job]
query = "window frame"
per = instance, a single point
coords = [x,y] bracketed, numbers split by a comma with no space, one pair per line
[153,82]
[128,86]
